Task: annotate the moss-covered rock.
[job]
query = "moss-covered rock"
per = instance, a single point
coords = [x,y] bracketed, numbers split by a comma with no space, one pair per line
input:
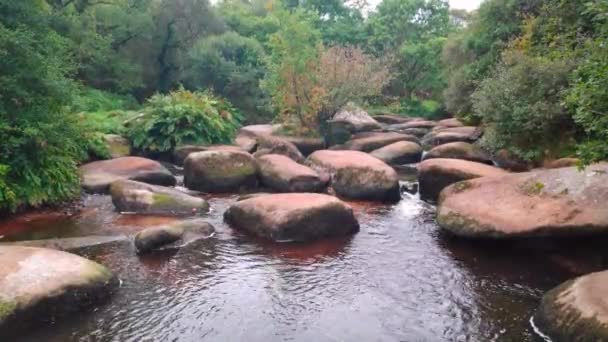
[220,171]
[546,202]
[142,198]
[117,145]
[172,235]
[38,284]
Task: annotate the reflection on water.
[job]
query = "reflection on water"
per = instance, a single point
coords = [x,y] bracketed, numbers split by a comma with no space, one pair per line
[399,279]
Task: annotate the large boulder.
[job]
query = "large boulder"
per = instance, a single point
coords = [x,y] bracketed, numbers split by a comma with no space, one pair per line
[564,201]
[282,174]
[438,137]
[96,177]
[402,152]
[507,160]
[277,145]
[375,141]
[459,150]
[346,122]
[247,136]
[172,235]
[293,217]
[436,174]
[182,152]
[38,284]
[142,198]
[448,123]
[220,171]
[117,145]
[357,175]
[577,310]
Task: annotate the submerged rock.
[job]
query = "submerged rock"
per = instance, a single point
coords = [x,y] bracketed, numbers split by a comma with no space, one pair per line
[293,217]
[374,141]
[142,198]
[459,150]
[576,310]
[282,174]
[67,244]
[38,284]
[220,171]
[96,177]
[117,145]
[557,202]
[403,152]
[357,175]
[436,174]
[186,231]
[182,152]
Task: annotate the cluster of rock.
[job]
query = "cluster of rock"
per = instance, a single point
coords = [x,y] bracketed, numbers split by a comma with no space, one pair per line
[477,195]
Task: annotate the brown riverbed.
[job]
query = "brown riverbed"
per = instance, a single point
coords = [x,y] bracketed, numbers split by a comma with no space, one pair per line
[399,279]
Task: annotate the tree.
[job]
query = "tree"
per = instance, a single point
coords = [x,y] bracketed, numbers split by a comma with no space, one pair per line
[233,67]
[292,70]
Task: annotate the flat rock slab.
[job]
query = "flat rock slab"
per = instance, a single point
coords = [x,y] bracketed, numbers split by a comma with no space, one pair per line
[557,202]
[293,217]
[44,284]
[375,141]
[442,136]
[357,175]
[399,153]
[459,150]
[434,175]
[419,124]
[182,152]
[282,174]
[141,198]
[220,171]
[576,310]
[68,244]
[391,119]
[448,123]
[96,177]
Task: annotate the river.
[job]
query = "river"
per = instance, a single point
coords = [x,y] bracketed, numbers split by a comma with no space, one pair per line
[399,279]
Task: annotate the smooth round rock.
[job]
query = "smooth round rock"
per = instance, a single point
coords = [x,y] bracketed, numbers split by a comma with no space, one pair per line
[459,150]
[576,311]
[434,175]
[220,171]
[278,145]
[282,174]
[38,284]
[117,145]
[357,175]
[96,177]
[542,203]
[142,198]
[293,217]
[399,153]
[375,141]
[182,152]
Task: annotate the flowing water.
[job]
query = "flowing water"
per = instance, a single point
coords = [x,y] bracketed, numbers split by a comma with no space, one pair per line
[398,279]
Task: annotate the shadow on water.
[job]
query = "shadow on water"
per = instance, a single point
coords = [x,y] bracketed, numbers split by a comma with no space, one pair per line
[399,279]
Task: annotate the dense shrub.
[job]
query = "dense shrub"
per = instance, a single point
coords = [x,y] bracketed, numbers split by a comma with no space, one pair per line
[95,100]
[521,106]
[183,117]
[41,143]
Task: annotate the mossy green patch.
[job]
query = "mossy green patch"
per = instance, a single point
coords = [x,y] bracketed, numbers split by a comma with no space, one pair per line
[6,309]
[532,188]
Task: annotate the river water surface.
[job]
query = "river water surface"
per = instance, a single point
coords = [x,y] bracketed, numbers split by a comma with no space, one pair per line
[398,279]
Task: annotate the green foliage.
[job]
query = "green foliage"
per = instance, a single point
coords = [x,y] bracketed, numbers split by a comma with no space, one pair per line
[521,106]
[428,109]
[291,78]
[183,117]
[249,18]
[232,66]
[588,99]
[41,143]
[95,100]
